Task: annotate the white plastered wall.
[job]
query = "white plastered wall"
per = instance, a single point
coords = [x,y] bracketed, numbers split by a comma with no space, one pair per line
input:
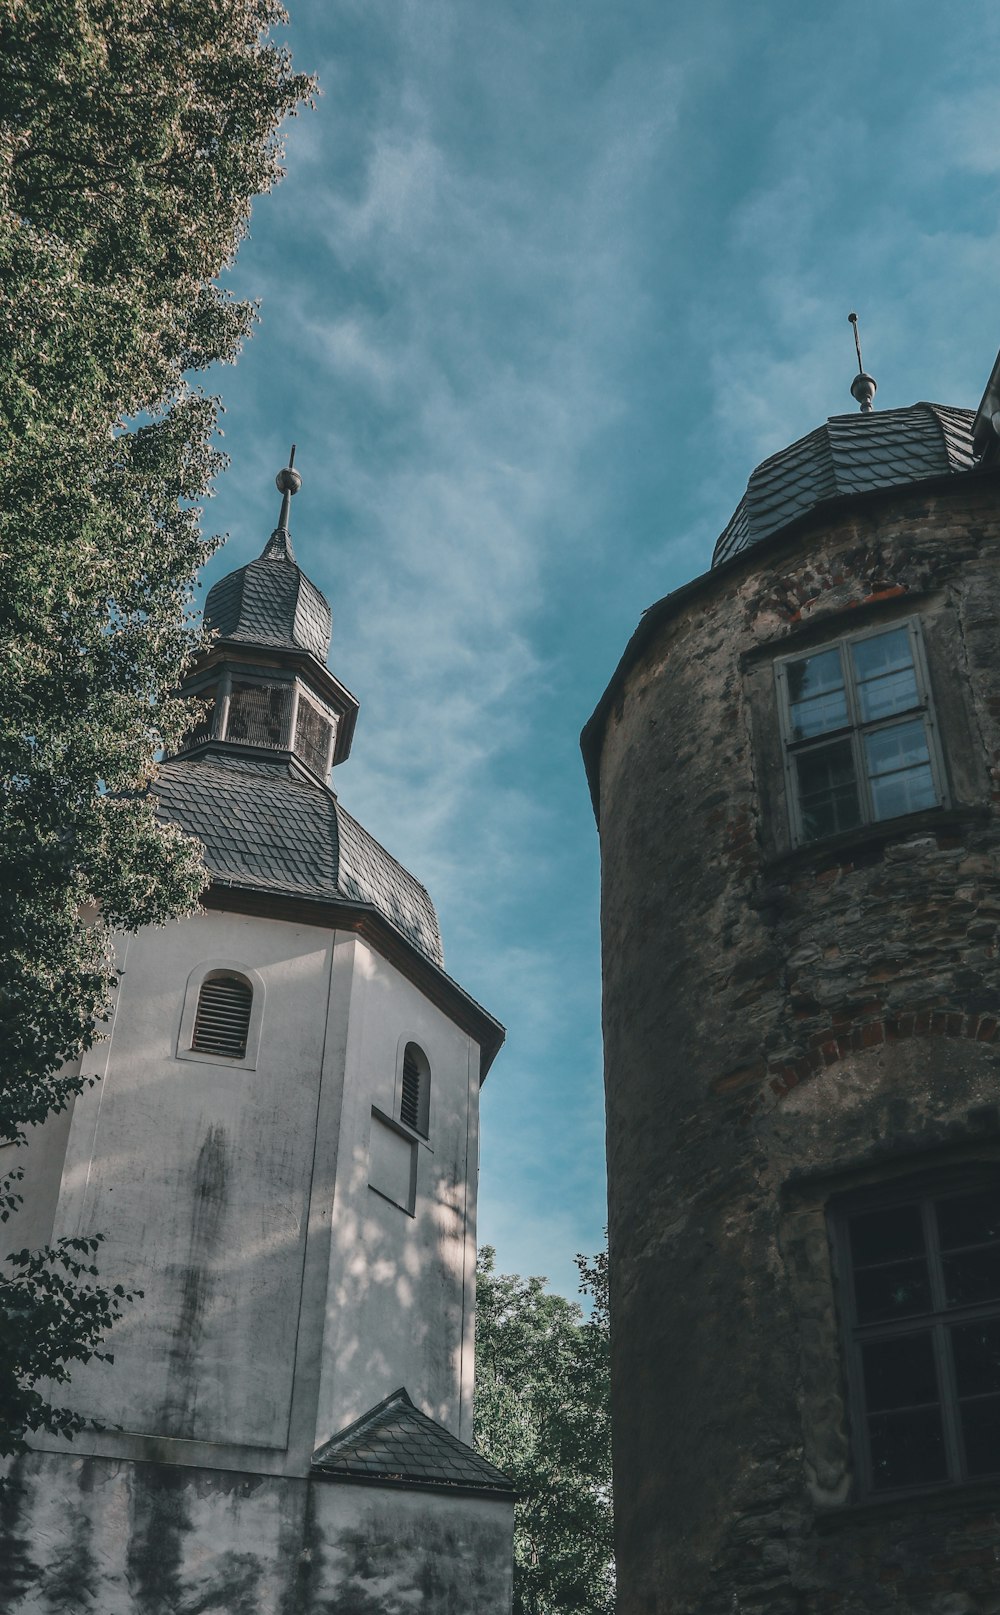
[400,1298]
[283,1296]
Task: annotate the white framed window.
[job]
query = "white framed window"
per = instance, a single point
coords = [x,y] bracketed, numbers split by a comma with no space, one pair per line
[858,731]
[222,1015]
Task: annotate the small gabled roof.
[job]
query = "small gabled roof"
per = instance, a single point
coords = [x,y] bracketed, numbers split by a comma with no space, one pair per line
[394,1442]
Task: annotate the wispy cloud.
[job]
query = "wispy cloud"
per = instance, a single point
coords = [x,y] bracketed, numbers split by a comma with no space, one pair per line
[542,286]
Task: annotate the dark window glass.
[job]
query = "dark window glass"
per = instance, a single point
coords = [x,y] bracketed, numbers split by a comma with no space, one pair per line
[981,1435]
[968,1219]
[886,1236]
[976,1349]
[895,1291]
[899,1373]
[907,1449]
[924,1313]
[828,794]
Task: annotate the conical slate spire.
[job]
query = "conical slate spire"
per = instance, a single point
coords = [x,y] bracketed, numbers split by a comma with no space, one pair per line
[273,605]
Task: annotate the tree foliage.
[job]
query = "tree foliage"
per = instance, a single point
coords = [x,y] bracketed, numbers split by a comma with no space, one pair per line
[134,135]
[542,1416]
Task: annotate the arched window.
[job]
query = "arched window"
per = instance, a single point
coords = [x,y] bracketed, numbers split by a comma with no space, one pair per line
[222,1019]
[415,1090]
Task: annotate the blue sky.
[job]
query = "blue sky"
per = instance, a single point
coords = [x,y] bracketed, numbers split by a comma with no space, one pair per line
[545,280]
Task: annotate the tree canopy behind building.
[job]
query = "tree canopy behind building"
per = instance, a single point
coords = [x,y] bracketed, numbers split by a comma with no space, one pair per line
[542,1416]
[134,136]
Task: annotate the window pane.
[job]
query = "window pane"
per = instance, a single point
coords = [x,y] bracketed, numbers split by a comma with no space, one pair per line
[885,1236]
[897,1290]
[899,794]
[906,1448]
[816,693]
[899,1373]
[883,669]
[969,1219]
[901,746]
[976,1349]
[313,730]
[898,764]
[972,1276]
[981,1433]
[828,794]
[259,713]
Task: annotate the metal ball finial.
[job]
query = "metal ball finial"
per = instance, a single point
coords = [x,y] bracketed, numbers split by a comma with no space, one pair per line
[288,479]
[863,387]
[287,482]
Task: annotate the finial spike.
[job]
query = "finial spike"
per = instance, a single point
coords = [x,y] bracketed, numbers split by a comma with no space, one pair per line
[863,387]
[287,482]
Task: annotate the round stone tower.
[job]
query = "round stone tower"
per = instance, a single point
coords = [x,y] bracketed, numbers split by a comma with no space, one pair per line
[794,770]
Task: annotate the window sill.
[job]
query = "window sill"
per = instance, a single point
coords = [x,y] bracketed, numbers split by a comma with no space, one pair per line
[869,839]
[965,1495]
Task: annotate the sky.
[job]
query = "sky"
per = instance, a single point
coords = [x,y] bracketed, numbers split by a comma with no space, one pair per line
[545,280]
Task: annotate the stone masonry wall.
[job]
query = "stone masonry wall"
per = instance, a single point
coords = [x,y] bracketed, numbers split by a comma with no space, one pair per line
[781,1025]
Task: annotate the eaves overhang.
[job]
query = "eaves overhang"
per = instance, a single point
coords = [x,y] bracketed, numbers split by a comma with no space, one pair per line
[986,426]
[367,922]
[657,615]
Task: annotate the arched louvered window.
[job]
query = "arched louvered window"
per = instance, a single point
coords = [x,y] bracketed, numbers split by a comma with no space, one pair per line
[222,1019]
[415,1091]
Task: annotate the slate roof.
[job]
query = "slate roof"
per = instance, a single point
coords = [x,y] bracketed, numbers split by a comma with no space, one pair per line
[271,602]
[850,454]
[395,1441]
[265,827]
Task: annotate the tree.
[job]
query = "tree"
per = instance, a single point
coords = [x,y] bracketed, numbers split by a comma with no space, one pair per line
[542,1416]
[134,135]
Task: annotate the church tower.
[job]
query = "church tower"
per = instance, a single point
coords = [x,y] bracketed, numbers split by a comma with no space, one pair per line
[282,1155]
[796,775]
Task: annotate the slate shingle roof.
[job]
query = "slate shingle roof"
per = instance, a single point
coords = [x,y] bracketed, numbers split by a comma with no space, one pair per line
[271,602]
[395,1441]
[850,454]
[263,826]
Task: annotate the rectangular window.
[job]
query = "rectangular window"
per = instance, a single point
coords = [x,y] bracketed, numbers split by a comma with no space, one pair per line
[313,734]
[921,1297]
[858,733]
[260,714]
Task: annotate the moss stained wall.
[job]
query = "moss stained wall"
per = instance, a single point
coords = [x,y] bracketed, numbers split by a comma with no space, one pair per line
[114,1537]
[782,1024]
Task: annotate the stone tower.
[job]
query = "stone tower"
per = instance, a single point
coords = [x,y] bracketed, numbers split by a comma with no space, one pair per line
[795,775]
[282,1155]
